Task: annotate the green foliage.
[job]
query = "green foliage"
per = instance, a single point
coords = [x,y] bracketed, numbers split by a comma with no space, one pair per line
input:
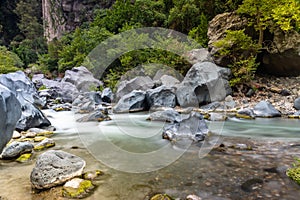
[241,52]
[294,172]
[30,43]
[271,14]
[77,48]
[199,33]
[9,61]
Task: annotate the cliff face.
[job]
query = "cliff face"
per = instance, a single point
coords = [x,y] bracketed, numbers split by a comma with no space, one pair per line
[65,15]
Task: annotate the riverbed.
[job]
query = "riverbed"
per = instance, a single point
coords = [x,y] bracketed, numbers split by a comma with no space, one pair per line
[241,159]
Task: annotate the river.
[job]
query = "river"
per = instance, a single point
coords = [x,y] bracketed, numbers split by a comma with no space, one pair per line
[137,163]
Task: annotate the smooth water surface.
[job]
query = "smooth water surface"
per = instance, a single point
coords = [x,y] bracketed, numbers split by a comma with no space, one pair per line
[137,162]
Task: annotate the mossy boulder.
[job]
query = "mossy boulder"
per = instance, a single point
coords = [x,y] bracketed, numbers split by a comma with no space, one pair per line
[77,188]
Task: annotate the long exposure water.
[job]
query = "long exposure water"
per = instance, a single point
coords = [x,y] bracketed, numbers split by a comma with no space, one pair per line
[138,163]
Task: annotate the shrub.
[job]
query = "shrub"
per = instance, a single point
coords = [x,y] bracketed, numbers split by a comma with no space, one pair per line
[241,52]
[9,61]
[294,172]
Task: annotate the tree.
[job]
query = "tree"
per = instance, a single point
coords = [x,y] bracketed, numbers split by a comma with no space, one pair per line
[270,14]
[30,43]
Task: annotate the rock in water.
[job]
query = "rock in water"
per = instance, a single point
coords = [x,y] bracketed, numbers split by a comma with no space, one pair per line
[10,111]
[96,116]
[132,102]
[54,168]
[161,97]
[31,116]
[107,95]
[82,78]
[265,109]
[193,127]
[15,149]
[168,115]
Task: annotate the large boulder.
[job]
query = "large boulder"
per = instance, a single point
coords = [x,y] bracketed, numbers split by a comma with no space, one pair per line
[167,80]
[138,83]
[26,93]
[132,102]
[64,90]
[161,97]
[31,115]
[54,168]
[10,111]
[18,82]
[169,115]
[297,103]
[198,55]
[205,82]
[217,28]
[107,95]
[192,127]
[82,78]
[282,57]
[87,101]
[265,109]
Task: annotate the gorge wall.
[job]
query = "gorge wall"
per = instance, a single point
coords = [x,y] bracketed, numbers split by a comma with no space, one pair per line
[65,15]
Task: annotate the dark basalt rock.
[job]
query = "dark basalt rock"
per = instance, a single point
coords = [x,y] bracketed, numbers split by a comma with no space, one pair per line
[10,111]
[132,102]
[193,127]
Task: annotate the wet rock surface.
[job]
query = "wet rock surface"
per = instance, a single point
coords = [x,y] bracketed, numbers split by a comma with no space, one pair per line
[192,127]
[15,149]
[132,102]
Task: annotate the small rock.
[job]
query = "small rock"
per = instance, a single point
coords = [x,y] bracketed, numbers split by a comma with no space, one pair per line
[161,197]
[77,188]
[39,138]
[24,157]
[55,167]
[41,132]
[217,117]
[193,197]
[92,174]
[107,95]
[15,149]
[247,186]
[29,134]
[250,93]
[285,92]
[16,135]
[265,109]
[46,143]
[97,116]
[246,113]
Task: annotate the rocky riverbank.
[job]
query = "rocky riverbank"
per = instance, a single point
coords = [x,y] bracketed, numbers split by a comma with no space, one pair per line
[184,103]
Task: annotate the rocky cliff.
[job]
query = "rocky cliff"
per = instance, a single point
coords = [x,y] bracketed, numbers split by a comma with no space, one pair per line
[280,55]
[65,15]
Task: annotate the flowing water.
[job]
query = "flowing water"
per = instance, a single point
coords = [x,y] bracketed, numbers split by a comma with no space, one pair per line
[138,163]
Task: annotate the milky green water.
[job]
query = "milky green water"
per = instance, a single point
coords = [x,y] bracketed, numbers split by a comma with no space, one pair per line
[137,162]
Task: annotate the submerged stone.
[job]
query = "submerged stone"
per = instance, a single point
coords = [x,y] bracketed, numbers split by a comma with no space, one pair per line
[77,188]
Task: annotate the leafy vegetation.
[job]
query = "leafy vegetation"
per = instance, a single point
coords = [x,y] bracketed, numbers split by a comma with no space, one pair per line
[241,52]
[21,30]
[9,61]
[294,172]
